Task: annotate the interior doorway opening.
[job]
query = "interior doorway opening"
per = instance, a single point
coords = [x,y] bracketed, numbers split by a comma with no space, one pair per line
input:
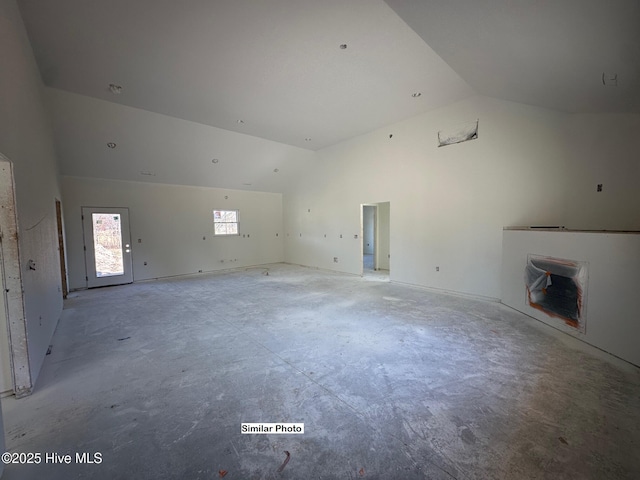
[375,235]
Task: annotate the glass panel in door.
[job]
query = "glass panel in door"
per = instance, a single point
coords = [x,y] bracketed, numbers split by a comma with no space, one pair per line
[107,246]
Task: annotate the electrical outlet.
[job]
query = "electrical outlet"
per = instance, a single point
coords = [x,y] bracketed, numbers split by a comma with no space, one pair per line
[599,188]
[437,269]
[145,264]
[335,259]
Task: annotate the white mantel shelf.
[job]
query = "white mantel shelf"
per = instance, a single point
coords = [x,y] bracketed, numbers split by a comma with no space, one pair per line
[567,230]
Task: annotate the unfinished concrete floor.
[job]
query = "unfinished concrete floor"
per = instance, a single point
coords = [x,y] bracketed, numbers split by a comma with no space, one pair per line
[391,382]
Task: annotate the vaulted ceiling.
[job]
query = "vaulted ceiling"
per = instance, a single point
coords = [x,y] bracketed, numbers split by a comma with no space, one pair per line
[554,54]
[308,74]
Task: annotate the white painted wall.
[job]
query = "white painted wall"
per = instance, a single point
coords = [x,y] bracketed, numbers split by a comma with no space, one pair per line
[613,283]
[604,149]
[449,204]
[26,139]
[171,221]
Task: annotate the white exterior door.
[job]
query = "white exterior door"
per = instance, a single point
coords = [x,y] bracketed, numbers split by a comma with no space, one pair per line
[107,245]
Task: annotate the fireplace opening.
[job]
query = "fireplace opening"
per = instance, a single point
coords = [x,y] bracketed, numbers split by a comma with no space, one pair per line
[557,287]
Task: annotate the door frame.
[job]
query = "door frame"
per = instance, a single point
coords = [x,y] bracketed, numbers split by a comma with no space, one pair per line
[379,231]
[12,295]
[89,254]
[61,250]
[375,235]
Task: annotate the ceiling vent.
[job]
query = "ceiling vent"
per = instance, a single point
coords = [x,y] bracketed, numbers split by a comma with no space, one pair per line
[458,134]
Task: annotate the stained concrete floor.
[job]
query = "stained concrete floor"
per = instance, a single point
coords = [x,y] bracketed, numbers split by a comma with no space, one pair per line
[391,382]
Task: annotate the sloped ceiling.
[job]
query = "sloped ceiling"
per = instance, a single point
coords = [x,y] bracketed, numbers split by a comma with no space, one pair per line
[550,54]
[273,71]
[276,65]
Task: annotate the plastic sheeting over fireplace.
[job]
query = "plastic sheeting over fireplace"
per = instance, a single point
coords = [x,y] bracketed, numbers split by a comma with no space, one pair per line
[558,287]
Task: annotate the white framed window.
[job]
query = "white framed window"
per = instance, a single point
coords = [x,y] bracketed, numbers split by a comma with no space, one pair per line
[225,222]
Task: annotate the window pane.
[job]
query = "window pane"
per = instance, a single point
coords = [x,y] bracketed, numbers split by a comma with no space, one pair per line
[227,216]
[225,222]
